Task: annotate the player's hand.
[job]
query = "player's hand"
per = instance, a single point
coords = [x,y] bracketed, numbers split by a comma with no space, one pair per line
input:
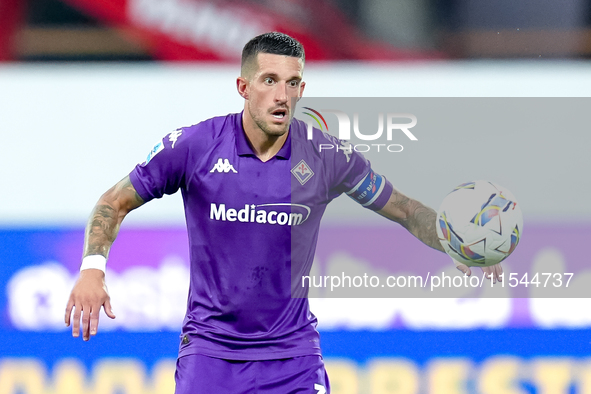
[492,272]
[87,297]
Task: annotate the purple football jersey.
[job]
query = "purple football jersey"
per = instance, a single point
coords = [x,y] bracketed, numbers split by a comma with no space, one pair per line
[253,228]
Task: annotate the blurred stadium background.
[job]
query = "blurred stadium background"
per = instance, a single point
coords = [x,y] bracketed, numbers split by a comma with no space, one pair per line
[87,87]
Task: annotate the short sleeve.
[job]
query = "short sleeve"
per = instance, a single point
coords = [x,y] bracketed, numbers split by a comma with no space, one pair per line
[163,171]
[354,176]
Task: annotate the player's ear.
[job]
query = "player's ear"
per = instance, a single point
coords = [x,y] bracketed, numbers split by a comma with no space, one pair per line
[242,87]
[302,86]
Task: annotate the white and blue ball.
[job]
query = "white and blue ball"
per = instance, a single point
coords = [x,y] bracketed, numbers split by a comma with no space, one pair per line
[479,223]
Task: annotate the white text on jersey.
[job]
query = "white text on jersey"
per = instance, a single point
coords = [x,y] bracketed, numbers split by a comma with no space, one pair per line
[250,214]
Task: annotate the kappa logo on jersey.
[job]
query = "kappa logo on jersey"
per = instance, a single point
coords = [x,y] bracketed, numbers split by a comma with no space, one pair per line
[223,165]
[282,214]
[346,147]
[155,150]
[320,389]
[302,172]
[174,136]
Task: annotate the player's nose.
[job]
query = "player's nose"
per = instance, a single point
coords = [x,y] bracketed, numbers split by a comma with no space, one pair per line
[281,93]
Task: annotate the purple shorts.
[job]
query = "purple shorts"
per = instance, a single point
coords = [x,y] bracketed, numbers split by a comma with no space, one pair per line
[197,374]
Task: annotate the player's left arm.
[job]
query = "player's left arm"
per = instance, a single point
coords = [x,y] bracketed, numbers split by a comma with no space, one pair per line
[414,216]
[420,221]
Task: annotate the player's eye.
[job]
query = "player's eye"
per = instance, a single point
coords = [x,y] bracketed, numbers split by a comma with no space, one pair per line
[268,81]
[294,83]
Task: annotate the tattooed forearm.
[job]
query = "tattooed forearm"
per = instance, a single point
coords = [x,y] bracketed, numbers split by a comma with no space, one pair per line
[106,218]
[417,218]
[101,230]
[422,225]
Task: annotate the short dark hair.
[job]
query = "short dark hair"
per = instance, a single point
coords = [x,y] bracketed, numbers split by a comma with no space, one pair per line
[274,43]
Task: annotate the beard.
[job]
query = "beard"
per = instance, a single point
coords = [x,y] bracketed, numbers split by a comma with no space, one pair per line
[270,129]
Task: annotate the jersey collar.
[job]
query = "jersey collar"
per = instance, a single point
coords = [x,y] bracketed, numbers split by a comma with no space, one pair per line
[243,147]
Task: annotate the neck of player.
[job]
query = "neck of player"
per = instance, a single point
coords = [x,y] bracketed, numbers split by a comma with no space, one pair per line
[265,146]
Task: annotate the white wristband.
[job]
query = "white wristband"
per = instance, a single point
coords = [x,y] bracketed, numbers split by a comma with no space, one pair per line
[95,261]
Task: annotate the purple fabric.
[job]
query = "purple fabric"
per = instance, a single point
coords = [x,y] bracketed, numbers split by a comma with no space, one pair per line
[253,229]
[196,374]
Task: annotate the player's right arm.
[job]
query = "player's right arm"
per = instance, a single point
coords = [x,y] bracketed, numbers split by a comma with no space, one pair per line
[90,292]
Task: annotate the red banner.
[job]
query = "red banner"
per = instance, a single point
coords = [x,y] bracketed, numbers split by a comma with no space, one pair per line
[11,13]
[208,30]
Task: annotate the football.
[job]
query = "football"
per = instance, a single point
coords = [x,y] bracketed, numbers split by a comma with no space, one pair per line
[479,223]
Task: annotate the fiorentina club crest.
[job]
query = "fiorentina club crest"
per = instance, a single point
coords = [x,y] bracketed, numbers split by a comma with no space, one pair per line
[302,172]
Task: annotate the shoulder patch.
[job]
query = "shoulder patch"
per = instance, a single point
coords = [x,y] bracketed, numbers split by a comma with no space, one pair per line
[155,150]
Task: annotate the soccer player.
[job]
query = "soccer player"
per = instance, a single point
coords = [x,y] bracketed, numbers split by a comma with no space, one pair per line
[254,189]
